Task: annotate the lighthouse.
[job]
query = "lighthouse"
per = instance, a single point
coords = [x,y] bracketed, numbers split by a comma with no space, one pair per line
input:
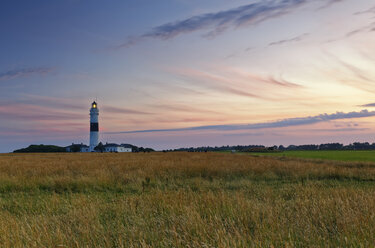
[94,126]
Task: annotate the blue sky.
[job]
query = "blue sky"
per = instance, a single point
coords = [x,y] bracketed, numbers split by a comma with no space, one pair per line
[177,70]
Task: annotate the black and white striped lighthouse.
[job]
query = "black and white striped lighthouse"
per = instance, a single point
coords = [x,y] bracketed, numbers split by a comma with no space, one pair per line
[94,126]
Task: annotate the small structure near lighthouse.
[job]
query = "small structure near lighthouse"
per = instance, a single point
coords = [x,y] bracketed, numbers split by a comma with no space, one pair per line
[94,126]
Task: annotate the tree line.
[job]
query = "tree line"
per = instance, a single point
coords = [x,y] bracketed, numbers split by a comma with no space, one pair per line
[74,148]
[261,148]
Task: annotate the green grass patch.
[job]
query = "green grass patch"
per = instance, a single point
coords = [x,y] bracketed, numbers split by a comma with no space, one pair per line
[353,156]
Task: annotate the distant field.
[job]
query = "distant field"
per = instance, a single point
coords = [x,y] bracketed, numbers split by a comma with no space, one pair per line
[184,200]
[359,156]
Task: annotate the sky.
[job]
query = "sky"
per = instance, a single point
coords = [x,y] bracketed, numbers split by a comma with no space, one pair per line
[181,73]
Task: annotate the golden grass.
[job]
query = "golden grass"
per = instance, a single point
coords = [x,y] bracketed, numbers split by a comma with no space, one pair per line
[184,200]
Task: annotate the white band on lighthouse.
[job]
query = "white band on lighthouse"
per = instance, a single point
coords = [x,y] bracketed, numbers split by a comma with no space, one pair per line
[94,126]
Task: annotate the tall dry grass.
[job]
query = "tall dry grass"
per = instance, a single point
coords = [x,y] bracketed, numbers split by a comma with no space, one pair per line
[184,200]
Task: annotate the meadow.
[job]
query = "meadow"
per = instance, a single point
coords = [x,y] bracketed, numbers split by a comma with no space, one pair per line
[356,156]
[184,200]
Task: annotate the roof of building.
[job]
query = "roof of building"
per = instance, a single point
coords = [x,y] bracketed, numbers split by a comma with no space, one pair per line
[126,145]
[79,145]
[111,145]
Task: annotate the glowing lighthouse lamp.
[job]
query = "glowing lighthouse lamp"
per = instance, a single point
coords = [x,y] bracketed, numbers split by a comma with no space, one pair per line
[94,126]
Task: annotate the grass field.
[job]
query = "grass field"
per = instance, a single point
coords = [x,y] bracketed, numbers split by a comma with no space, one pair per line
[184,200]
[358,156]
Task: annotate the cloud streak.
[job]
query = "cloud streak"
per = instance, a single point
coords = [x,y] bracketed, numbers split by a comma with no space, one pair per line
[353,75]
[237,82]
[36,113]
[369,105]
[329,4]
[364,29]
[338,130]
[25,72]
[219,22]
[368,11]
[291,40]
[290,122]
[116,110]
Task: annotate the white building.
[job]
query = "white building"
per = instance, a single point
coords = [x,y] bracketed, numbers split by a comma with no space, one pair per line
[107,148]
[116,148]
[77,148]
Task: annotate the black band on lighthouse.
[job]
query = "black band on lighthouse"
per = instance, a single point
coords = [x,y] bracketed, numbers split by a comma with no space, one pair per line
[94,127]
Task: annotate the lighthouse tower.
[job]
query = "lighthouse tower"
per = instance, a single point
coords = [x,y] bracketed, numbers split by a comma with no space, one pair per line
[94,126]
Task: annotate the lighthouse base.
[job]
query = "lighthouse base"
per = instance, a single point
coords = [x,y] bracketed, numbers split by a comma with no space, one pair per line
[94,140]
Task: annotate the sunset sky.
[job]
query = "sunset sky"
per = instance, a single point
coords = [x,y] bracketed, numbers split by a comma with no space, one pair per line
[181,73]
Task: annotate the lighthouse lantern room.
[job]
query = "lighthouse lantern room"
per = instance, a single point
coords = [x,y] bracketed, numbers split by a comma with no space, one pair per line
[94,126]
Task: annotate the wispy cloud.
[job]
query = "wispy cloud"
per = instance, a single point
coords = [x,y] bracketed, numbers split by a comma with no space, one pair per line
[30,112]
[116,110]
[330,3]
[65,104]
[367,11]
[369,105]
[219,22]
[368,28]
[54,113]
[53,102]
[363,29]
[216,82]
[184,108]
[353,75]
[264,125]
[25,72]
[337,130]
[291,40]
[357,72]
[238,82]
